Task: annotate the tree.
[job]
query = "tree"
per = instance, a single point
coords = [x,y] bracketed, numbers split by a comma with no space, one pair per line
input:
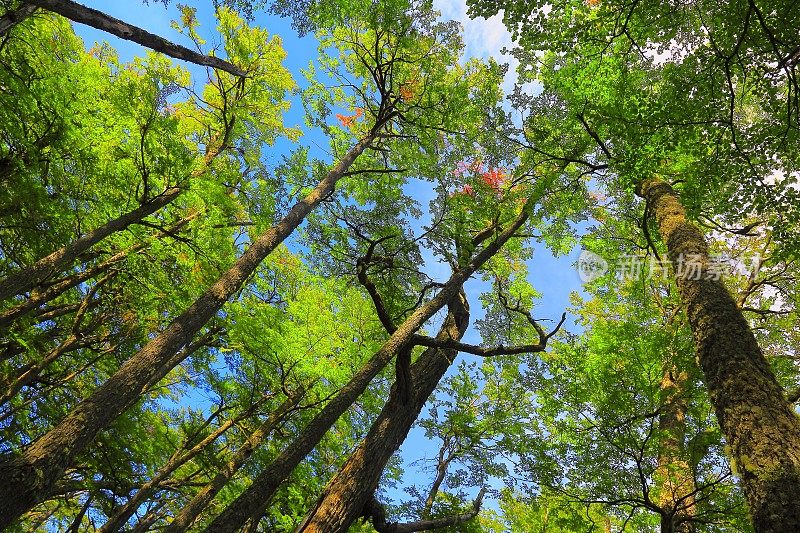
[198,331]
[53,452]
[639,99]
[97,19]
[404,96]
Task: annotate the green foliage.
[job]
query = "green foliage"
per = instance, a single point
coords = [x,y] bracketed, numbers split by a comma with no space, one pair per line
[573,439]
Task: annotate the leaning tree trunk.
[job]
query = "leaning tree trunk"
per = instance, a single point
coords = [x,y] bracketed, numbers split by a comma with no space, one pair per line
[29,476]
[761,430]
[31,276]
[180,457]
[346,495]
[55,288]
[252,503]
[13,17]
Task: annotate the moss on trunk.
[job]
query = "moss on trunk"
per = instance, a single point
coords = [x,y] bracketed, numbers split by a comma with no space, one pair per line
[761,430]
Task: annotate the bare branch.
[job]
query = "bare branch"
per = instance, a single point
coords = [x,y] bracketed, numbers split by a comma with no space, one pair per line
[483,351]
[97,19]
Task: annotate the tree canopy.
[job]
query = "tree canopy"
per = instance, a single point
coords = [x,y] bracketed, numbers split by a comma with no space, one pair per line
[213,318]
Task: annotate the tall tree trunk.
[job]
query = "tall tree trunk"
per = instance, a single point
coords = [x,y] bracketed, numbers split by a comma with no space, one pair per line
[29,476]
[674,476]
[97,19]
[346,495]
[762,431]
[252,503]
[186,517]
[29,277]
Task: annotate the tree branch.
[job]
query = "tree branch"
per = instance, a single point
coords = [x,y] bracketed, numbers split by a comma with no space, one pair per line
[361,268]
[14,16]
[377,513]
[97,19]
[593,134]
[483,351]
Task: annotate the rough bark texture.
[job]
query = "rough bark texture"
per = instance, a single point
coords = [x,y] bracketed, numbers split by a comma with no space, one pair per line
[252,503]
[186,517]
[29,476]
[97,19]
[674,476]
[29,277]
[351,489]
[762,431]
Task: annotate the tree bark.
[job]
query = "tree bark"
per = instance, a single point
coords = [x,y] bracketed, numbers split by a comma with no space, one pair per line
[252,503]
[346,495]
[761,430]
[43,295]
[97,19]
[29,476]
[29,277]
[186,517]
[674,475]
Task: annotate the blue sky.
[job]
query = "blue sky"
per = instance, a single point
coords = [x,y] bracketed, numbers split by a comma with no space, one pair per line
[554,277]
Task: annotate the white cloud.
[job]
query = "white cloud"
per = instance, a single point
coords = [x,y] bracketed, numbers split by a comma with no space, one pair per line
[483,38]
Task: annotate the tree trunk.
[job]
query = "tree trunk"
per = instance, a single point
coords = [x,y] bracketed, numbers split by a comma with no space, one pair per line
[29,476]
[38,297]
[186,517]
[252,503]
[674,476]
[29,277]
[761,430]
[346,495]
[97,19]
